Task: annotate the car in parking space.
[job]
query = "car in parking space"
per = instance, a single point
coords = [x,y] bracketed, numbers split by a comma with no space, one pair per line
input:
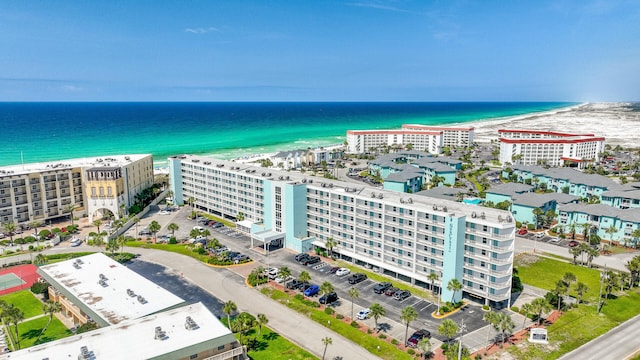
[417,336]
[304,286]
[301,256]
[401,295]
[356,278]
[240,258]
[328,298]
[342,271]
[199,228]
[522,231]
[273,273]
[75,242]
[554,239]
[380,288]
[573,243]
[363,314]
[310,260]
[294,284]
[280,279]
[390,291]
[144,232]
[312,290]
[539,235]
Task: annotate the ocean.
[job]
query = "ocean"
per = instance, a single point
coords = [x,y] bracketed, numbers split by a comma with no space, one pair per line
[36,132]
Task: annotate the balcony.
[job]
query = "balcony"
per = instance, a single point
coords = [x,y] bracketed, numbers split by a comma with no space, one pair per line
[231,354]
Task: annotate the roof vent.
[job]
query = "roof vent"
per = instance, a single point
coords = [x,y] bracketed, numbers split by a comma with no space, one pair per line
[499,218]
[482,215]
[131,293]
[474,215]
[410,200]
[444,208]
[380,196]
[435,207]
[141,299]
[190,324]
[304,181]
[160,335]
[84,353]
[509,219]
[103,283]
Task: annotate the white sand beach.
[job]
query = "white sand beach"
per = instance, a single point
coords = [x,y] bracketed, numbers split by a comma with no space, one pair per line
[615,121]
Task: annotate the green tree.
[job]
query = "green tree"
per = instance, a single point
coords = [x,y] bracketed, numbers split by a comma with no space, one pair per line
[284,272]
[330,244]
[262,320]
[173,227]
[326,342]
[243,322]
[504,325]
[240,216]
[9,228]
[40,259]
[35,224]
[489,317]
[540,306]
[633,266]
[610,231]
[575,252]
[538,213]
[229,308]
[408,315]
[581,289]
[154,227]
[560,289]
[424,345]
[50,308]
[526,309]
[591,254]
[70,208]
[97,223]
[121,241]
[433,276]
[353,294]
[569,278]
[112,246]
[13,316]
[326,288]
[635,235]
[448,328]
[304,277]
[377,311]
[455,286]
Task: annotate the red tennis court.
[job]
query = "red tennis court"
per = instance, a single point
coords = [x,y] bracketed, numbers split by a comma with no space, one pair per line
[23,277]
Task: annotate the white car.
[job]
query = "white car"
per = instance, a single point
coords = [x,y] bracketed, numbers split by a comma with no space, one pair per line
[539,235]
[342,272]
[273,273]
[164,212]
[281,279]
[363,314]
[75,242]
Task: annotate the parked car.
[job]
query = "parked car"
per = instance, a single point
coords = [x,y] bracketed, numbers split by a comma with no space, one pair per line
[417,336]
[380,288]
[312,290]
[328,298]
[342,272]
[144,232]
[522,231]
[363,314]
[401,295]
[240,258]
[301,256]
[573,243]
[75,242]
[294,284]
[304,286]
[390,291]
[356,278]
[199,228]
[539,235]
[164,212]
[310,260]
[281,279]
[273,273]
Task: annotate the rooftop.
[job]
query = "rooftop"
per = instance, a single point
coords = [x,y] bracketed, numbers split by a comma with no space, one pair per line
[135,339]
[632,215]
[99,286]
[509,189]
[93,162]
[569,174]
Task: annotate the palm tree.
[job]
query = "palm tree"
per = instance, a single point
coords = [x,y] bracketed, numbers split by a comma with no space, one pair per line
[326,342]
[50,307]
[304,277]
[581,289]
[173,227]
[448,328]
[569,278]
[377,311]
[330,244]
[526,309]
[455,286]
[70,208]
[244,322]
[9,228]
[154,227]
[135,222]
[40,259]
[408,315]
[35,224]
[575,252]
[504,324]
[539,307]
[229,308]
[610,231]
[424,345]
[13,316]
[97,223]
[353,294]
[433,276]
[326,288]
[121,241]
[560,289]
[284,272]
[537,213]
[635,235]
[489,317]
[591,254]
[633,266]
[240,216]
[262,320]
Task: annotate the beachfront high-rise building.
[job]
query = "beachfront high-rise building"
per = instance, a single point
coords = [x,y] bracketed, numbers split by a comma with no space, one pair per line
[406,236]
[451,136]
[91,186]
[535,147]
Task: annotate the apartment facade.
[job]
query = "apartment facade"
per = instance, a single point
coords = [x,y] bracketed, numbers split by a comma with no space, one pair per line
[362,141]
[405,236]
[451,136]
[530,147]
[45,191]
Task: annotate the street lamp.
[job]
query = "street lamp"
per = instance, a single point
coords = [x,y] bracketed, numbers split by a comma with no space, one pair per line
[439,293]
[462,329]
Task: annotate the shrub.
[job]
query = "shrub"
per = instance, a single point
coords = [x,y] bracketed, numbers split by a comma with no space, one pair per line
[39,287]
[299,297]
[19,241]
[515,309]
[339,316]
[329,311]
[355,324]
[369,331]
[173,241]
[486,307]
[382,336]
[444,309]
[394,342]
[411,351]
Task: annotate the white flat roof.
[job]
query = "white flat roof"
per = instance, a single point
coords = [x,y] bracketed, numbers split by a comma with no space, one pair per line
[96,161]
[135,339]
[111,303]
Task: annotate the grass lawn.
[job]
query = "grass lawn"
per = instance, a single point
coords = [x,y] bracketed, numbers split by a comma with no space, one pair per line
[25,301]
[183,249]
[30,330]
[544,273]
[270,345]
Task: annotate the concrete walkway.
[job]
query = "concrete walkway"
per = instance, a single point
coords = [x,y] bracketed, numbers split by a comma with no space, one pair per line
[227,285]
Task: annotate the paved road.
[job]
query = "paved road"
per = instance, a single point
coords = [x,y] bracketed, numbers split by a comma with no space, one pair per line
[617,344]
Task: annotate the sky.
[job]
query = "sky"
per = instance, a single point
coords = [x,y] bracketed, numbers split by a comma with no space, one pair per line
[352,50]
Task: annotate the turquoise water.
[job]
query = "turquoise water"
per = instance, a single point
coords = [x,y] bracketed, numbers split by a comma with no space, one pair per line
[51,131]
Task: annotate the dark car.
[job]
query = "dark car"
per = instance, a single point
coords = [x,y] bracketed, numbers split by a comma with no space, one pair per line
[304,286]
[380,288]
[573,243]
[301,256]
[417,336]
[401,295]
[310,260]
[294,284]
[334,269]
[390,291]
[328,298]
[356,278]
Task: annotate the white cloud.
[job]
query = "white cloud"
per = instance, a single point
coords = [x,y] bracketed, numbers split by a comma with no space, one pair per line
[201,30]
[378,6]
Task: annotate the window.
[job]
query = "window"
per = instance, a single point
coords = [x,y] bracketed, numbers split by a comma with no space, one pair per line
[221,347]
[194,356]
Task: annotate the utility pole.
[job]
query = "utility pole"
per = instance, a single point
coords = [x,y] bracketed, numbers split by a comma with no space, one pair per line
[602,276]
[439,293]
[463,328]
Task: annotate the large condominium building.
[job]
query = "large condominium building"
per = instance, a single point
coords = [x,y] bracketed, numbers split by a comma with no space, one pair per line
[407,236]
[91,186]
[362,141]
[531,147]
[451,136]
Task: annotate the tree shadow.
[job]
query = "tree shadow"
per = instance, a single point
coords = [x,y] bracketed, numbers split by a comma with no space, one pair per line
[383,327]
[270,336]
[33,333]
